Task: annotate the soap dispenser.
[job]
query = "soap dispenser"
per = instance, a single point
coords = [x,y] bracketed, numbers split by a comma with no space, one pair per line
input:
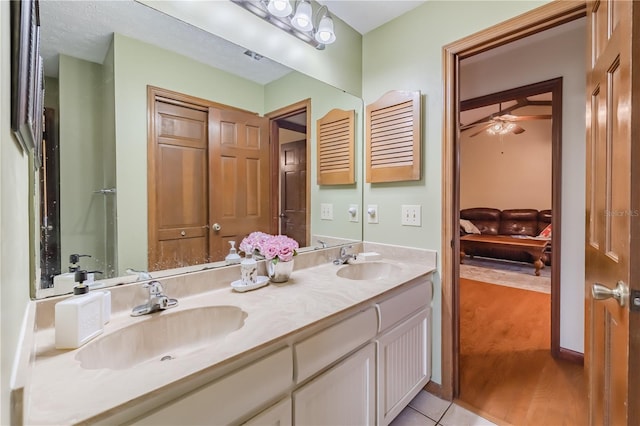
[63,283]
[233,257]
[79,318]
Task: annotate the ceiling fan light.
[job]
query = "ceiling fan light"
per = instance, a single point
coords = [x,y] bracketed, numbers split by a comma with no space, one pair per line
[279,8]
[325,33]
[302,18]
[501,128]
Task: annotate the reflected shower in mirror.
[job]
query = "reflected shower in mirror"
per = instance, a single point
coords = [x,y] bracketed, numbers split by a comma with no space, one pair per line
[123,83]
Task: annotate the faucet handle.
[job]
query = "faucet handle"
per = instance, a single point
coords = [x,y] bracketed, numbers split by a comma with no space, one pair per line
[343,250]
[155,288]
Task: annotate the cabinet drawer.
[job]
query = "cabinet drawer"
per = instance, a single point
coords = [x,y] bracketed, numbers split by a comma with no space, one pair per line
[227,399]
[329,345]
[404,304]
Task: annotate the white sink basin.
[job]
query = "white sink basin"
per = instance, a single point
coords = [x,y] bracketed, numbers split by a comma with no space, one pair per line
[161,337]
[367,271]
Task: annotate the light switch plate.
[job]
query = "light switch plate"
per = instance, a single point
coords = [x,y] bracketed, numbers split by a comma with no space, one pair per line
[326,211]
[354,215]
[411,215]
[372,213]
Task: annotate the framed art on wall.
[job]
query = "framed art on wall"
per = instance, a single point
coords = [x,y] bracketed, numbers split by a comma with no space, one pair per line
[26,75]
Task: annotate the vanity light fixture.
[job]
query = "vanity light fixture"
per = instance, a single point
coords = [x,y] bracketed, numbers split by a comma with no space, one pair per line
[298,21]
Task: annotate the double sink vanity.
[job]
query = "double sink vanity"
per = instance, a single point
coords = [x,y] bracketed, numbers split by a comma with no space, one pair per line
[336,344]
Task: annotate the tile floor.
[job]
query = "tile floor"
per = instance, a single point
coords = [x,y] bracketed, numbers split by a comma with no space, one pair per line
[429,410]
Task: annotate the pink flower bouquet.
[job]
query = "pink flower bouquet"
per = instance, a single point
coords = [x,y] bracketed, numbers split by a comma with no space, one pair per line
[273,247]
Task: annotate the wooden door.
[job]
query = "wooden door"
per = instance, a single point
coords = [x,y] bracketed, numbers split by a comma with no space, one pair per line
[611,350]
[293,191]
[178,187]
[239,177]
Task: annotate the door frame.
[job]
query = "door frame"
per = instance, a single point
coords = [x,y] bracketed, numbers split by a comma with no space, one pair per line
[273,116]
[537,20]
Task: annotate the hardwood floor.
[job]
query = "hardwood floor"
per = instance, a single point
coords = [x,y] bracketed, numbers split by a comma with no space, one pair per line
[507,373]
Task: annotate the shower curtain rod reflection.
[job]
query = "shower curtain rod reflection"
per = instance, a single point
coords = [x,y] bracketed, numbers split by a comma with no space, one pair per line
[105,191]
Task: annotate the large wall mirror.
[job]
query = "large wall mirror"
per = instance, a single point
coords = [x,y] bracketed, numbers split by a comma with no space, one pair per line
[100,59]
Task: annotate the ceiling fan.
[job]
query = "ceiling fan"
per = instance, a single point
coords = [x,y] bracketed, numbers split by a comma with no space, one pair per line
[502,123]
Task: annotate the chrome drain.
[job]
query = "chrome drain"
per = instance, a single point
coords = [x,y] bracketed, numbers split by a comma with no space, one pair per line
[166,358]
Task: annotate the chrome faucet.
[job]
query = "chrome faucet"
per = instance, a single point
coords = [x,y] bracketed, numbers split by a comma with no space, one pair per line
[158,301]
[142,275]
[344,256]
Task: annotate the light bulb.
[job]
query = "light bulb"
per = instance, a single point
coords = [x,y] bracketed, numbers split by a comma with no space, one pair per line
[325,32]
[302,19]
[279,8]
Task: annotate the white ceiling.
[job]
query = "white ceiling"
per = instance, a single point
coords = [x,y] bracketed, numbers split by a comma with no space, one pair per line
[366,15]
[83,29]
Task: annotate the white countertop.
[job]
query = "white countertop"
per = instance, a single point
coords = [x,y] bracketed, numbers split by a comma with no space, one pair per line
[60,391]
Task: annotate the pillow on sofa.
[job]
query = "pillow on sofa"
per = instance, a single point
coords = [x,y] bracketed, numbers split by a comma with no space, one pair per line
[469,227]
[546,232]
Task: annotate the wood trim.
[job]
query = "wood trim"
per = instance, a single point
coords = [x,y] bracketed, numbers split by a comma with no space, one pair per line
[152,202]
[571,356]
[393,124]
[274,116]
[180,99]
[433,388]
[335,147]
[532,22]
[539,19]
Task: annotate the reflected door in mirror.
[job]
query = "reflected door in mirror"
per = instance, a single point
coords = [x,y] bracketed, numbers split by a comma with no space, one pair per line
[178,188]
[240,185]
[293,181]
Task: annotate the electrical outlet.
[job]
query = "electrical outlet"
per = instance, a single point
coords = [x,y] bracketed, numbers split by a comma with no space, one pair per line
[411,215]
[353,213]
[372,213]
[326,211]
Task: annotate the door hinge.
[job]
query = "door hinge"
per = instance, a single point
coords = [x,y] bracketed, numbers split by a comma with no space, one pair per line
[635,300]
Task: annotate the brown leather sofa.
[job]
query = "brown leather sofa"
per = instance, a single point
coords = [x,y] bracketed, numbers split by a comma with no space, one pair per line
[491,221]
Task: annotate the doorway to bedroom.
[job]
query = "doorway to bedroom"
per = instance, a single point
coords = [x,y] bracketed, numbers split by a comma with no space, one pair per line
[509,174]
[506,188]
[506,171]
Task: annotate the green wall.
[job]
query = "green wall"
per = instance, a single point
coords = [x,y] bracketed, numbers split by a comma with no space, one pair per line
[14,227]
[136,65]
[339,65]
[406,54]
[82,213]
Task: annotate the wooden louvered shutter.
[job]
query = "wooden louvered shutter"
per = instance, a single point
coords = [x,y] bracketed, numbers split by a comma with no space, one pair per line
[393,137]
[336,148]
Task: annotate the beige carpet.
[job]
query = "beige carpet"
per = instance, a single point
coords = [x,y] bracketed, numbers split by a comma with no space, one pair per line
[510,274]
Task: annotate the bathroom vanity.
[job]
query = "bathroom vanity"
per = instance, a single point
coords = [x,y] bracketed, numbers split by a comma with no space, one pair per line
[327,347]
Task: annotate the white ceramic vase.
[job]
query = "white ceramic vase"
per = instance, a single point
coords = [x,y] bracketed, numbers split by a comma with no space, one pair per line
[279,271]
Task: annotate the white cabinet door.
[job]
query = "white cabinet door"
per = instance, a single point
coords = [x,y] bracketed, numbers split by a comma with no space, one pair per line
[278,414]
[344,395]
[403,365]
